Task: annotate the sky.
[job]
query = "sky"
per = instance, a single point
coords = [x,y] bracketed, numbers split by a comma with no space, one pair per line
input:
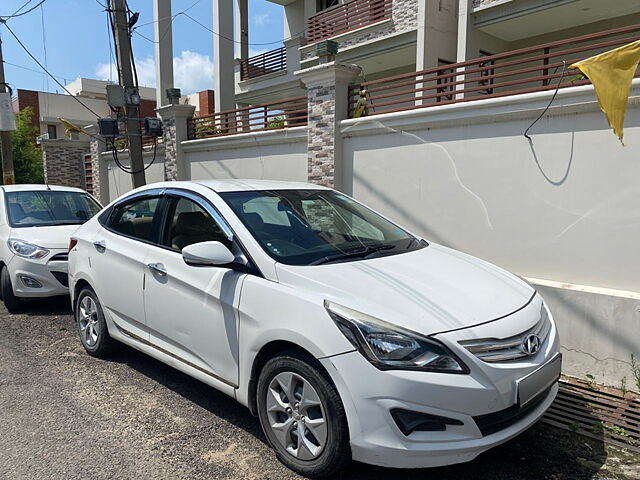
[70,37]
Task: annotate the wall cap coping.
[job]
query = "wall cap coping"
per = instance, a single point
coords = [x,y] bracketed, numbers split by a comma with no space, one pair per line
[65,141]
[178,111]
[262,78]
[241,140]
[581,98]
[328,74]
[610,292]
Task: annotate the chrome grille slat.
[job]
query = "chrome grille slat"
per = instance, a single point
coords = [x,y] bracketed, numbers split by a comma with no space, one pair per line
[508,349]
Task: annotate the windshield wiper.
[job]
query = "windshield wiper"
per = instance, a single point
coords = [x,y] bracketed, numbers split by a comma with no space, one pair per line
[359,253]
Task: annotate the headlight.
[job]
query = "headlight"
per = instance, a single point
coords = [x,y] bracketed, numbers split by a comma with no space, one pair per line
[26,249]
[389,347]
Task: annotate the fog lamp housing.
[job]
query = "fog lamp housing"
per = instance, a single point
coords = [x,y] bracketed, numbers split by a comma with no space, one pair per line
[409,421]
[30,282]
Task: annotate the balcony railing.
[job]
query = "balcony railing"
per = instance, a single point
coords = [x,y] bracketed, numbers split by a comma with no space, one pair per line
[291,112]
[268,62]
[346,17]
[527,70]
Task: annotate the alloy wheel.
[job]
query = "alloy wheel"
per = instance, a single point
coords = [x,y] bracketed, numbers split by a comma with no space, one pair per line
[296,415]
[89,327]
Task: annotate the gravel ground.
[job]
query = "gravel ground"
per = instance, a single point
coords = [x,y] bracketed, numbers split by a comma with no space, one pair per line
[65,415]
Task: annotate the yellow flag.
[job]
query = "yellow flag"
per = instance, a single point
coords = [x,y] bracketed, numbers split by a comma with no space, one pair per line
[611,74]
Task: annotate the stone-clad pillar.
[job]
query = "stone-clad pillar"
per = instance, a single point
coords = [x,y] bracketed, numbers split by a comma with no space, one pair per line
[327,93]
[99,170]
[63,161]
[175,126]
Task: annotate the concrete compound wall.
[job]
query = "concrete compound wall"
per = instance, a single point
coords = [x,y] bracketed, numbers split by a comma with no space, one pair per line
[120,181]
[563,208]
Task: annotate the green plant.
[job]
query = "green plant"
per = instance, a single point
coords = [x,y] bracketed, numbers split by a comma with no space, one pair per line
[635,369]
[623,386]
[276,122]
[590,380]
[27,157]
[597,428]
[611,430]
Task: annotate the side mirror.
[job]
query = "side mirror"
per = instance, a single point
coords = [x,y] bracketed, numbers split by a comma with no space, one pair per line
[207,254]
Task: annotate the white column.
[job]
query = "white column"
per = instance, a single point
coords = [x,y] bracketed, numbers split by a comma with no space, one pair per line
[223,54]
[163,36]
[241,19]
[465,37]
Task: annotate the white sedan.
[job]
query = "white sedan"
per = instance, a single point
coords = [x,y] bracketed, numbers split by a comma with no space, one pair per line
[347,335]
[36,222]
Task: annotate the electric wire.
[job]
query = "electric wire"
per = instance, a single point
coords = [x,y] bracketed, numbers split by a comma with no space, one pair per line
[47,71]
[564,69]
[15,15]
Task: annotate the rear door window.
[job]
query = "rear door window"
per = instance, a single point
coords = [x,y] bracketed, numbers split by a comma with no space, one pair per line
[135,218]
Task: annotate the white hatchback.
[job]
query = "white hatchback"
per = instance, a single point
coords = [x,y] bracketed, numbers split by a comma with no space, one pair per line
[36,222]
[347,335]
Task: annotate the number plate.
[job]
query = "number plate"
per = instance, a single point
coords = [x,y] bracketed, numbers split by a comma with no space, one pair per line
[539,380]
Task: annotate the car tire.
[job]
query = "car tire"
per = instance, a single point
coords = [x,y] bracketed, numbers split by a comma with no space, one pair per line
[323,451]
[11,302]
[91,324]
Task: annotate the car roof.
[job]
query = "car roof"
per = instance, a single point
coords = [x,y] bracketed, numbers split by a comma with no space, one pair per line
[235,185]
[38,188]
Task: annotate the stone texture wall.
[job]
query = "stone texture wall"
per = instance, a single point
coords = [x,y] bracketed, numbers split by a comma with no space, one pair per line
[97,146]
[404,17]
[170,144]
[321,134]
[63,162]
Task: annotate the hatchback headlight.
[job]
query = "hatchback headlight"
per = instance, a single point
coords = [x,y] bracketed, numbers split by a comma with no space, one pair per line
[389,347]
[26,249]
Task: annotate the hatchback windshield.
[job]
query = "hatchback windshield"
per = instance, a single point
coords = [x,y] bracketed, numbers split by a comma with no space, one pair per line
[311,227]
[51,207]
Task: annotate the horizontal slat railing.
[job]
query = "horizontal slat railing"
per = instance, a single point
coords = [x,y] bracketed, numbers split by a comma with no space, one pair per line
[291,112]
[268,62]
[346,17]
[527,70]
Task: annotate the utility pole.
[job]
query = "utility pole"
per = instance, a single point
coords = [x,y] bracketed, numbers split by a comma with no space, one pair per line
[125,75]
[8,175]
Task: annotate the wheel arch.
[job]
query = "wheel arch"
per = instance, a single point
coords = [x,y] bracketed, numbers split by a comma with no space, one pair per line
[269,351]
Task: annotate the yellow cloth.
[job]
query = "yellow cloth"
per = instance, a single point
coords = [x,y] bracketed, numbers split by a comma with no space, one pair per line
[611,74]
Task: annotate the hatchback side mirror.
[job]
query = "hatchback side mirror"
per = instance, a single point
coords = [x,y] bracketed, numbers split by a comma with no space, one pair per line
[207,254]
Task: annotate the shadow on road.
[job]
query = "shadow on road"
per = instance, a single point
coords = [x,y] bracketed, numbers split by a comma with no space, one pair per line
[543,452]
[35,307]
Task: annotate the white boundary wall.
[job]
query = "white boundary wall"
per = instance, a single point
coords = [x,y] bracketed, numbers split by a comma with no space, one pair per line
[564,208]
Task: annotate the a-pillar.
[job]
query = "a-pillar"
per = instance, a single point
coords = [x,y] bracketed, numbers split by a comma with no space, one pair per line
[175,120]
[163,36]
[327,97]
[223,49]
[99,169]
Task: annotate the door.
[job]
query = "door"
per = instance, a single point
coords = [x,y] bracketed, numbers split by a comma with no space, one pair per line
[117,258]
[192,312]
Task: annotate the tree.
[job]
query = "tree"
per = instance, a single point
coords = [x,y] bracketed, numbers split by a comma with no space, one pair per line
[27,157]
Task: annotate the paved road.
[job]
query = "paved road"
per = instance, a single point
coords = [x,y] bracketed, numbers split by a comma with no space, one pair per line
[65,415]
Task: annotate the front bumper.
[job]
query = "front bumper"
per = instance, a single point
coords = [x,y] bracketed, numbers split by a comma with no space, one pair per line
[50,272]
[489,393]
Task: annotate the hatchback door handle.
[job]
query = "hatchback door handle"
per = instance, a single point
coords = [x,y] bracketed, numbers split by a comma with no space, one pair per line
[157,268]
[100,246]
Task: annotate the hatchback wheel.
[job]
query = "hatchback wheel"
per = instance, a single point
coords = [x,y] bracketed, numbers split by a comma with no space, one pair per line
[91,324]
[11,302]
[302,416]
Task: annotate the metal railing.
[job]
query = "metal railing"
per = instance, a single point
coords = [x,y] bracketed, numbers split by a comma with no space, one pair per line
[291,112]
[348,16]
[527,70]
[263,64]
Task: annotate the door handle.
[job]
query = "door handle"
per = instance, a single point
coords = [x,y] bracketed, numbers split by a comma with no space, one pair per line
[100,246]
[157,268]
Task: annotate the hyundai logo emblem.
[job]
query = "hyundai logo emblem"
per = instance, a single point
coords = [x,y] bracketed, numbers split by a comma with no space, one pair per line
[531,344]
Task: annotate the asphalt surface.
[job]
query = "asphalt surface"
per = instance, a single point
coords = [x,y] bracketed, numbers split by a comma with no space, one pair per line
[65,415]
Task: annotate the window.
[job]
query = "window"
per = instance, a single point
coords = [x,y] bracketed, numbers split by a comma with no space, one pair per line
[306,227]
[324,4]
[52,131]
[446,87]
[486,73]
[49,207]
[189,223]
[135,218]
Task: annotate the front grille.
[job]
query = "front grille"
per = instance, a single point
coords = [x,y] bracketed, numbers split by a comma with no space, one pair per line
[60,257]
[496,421]
[62,277]
[506,349]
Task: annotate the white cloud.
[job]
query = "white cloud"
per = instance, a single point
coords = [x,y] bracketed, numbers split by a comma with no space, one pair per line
[192,72]
[256,51]
[261,19]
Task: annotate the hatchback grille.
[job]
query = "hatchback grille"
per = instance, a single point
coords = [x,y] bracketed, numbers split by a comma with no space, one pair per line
[60,257]
[506,349]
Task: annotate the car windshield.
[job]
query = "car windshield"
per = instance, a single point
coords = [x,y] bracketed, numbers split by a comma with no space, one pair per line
[312,227]
[49,207]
